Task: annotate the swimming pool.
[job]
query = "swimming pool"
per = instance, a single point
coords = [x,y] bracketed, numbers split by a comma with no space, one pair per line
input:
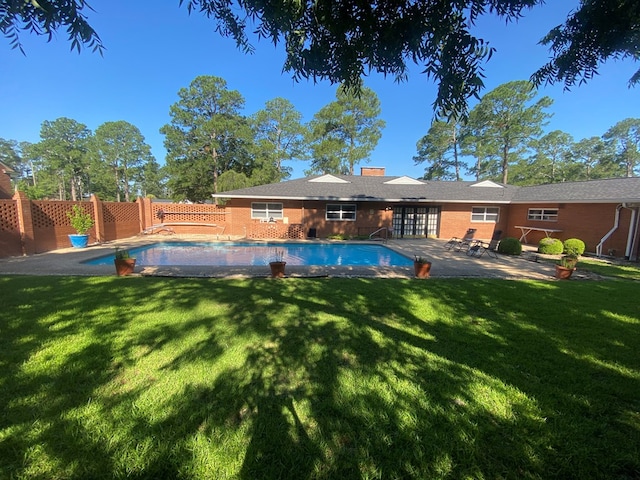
[252,254]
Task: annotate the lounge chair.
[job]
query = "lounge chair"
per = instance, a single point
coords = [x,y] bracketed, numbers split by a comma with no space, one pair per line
[461,244]
[477,248]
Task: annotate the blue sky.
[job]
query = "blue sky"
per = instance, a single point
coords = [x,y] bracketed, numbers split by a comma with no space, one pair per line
[153,52]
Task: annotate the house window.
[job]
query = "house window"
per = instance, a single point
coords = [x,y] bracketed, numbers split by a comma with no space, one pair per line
[266,211]
[485,214]
[341,211]
[546,214]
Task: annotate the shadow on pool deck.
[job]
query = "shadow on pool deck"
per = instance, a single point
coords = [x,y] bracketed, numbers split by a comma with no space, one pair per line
[446,263]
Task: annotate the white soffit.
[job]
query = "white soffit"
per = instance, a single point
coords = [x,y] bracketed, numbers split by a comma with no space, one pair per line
[328,179]
[404,180]
[487,183]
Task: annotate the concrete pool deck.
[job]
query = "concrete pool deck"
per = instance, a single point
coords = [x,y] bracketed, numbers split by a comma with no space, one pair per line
[446,263]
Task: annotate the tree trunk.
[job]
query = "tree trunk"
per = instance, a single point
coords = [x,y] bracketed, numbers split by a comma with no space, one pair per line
[125,182]
[505,164]
[214,156]
[455,154]
[115,170]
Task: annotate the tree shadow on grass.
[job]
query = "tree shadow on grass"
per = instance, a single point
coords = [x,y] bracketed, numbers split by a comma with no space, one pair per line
[337,378]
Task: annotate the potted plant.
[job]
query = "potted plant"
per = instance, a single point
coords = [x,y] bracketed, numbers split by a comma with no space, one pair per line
[81,222]
[421,267]
[567,265]
[277,264]
[124,262]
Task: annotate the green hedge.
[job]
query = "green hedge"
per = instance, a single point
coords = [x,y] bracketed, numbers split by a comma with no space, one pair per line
[510,246]
[550,246]
[574,246]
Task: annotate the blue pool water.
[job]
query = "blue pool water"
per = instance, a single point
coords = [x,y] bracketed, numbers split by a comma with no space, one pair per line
[246,254]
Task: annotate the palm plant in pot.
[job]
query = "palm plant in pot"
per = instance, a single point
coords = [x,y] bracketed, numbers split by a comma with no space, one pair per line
[124,262]
[81,222]
[277,264]
[421,267]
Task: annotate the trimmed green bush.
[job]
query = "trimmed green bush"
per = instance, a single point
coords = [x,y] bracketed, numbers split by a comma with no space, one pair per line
[510,246]
[550,246]
[574,246]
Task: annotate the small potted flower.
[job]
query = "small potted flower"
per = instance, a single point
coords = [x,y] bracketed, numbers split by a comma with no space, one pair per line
[421,266]
[277,264]
[124,262]
[81,222]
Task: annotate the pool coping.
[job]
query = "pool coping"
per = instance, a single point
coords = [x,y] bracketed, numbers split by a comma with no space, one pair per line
[446,264]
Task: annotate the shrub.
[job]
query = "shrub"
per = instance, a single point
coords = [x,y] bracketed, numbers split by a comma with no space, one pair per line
[574,246]
[510,246]
[81,221]
[550,246]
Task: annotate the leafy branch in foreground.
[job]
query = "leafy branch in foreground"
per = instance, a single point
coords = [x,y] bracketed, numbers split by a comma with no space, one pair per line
[44,17]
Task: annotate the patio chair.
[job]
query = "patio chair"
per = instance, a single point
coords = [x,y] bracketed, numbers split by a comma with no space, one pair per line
[478,248]
[461,244]
[495,240]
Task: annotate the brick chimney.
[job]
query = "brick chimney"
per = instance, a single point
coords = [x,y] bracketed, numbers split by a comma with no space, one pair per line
[372,171]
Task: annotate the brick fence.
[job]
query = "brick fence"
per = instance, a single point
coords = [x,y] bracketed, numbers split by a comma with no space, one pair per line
[36,226]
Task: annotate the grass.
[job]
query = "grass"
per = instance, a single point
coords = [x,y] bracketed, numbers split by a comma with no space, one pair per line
[318,379]
[613,270]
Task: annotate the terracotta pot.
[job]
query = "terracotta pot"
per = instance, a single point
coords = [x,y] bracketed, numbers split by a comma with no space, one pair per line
[422,270]
[563,273]
[124,266]
[277,269]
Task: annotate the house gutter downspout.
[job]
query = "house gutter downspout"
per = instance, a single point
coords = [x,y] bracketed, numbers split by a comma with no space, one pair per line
[632,239]
[616,221]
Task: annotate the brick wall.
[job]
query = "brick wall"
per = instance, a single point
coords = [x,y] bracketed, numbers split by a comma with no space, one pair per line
[28,227]
[10,244]
[43,225]
[455,220]
[588,222]
[307,215]
[6,192]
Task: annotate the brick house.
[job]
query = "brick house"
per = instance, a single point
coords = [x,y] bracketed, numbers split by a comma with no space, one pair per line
[6,191]
[602,213]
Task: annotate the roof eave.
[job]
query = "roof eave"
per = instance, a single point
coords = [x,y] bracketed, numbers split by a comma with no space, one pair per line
[587,200]
[357,199]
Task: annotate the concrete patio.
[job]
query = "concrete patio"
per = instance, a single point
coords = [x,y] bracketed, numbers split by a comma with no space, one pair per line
[446,263]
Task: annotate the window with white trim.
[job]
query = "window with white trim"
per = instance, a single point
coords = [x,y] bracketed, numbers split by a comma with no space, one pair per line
[341,211]
[544,214]
[485,214]
[266,211]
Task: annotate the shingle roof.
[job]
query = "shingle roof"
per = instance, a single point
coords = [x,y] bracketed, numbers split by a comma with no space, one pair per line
[376,188]
[6,168]
[616,190]
[404,189]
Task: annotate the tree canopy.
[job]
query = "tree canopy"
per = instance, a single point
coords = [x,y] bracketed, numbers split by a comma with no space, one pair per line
[118,151]
[343,40]
[278,136]
[63,147]
[505,122]
[206,137]
[345,132]
[439,148]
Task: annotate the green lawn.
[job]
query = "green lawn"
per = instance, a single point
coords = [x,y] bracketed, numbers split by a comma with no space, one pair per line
[318,378]
[614,270]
